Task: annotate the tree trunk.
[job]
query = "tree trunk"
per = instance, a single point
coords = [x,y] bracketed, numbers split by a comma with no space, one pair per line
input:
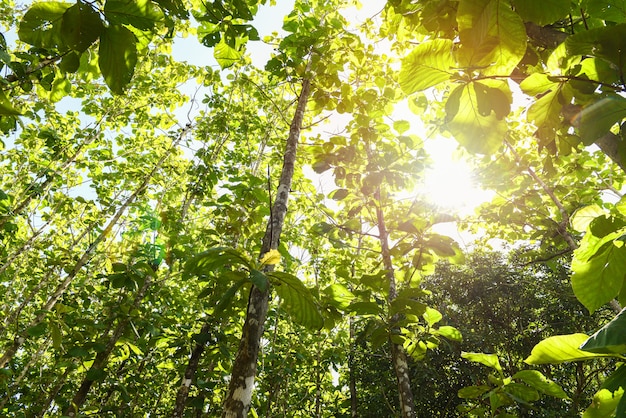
[190,373]
[237,403]
[398,355]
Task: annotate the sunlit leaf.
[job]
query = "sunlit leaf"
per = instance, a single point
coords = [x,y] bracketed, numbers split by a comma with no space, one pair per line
[559,349]
[225,55]
[270,258]
[475,116]
[489,360]
[583,216]
[493,37]
[603,404]
[537,380]
[428,64]
[449,332]
[598,267]
[6,108]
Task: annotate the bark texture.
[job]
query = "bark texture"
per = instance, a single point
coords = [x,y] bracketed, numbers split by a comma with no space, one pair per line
[237,403]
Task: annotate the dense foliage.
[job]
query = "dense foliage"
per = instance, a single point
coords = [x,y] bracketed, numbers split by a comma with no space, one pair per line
[251,238]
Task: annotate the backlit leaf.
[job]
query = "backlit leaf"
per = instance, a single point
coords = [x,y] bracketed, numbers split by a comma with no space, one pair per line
[493,36]
[559,349]
[428,64]
[475,117]
[598,270]
[81,26]
[489,360]
[225,55]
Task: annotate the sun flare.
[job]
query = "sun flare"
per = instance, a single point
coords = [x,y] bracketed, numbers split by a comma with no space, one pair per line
[450,184]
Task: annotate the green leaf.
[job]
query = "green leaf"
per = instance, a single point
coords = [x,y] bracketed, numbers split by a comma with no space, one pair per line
[611,10]
[559,349]
[339,194]
[37,330]
[225,55]
[537,380]
[338,296]
[521,393]
[493,37]
[96,374]
[117,57]
[542,12]
[610,339]
[432,316]
[489,360]
[259,279]
[616,379]
[598,269]
[473,392]
[364,308]
[297,300]
[583,217]
[6,108]
[401,126]
[607,42]
[475,116]
[449,332]
[228,295]
[78,352]
[57,335]
[214,259]
[41,25]
[407,306]
[81,26]
[142,14]
[428,64]
[597,118]
[603,404]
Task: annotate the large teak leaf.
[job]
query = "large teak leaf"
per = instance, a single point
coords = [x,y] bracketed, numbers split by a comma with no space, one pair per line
[428,64]
[559,349]
[297,300]
[493,36]
[117,57]
[475,115]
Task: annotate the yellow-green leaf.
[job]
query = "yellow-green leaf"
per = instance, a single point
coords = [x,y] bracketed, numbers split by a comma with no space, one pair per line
[560,349]
[430,63]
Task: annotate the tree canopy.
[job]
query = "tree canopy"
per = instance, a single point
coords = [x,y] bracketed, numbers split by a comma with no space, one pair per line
[253,238]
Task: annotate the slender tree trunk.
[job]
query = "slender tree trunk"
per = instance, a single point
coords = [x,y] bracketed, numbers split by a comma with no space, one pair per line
[398,355]
[102,358]
[354,410]
[190,373]
[237,403]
